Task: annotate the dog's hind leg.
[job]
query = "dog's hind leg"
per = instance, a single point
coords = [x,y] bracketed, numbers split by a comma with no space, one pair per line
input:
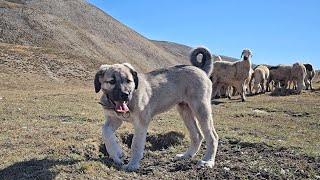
[196,137]
[202,110]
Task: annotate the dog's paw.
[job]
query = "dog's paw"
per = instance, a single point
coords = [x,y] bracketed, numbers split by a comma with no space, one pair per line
[208,164]
[120,154]
[117,161]
[130,167]
[182,156]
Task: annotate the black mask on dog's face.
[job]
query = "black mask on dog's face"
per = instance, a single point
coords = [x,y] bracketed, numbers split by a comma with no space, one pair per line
[118,83]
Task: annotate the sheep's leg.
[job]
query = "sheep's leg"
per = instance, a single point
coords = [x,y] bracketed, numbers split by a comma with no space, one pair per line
[215,89]
[307,83]
[268,85]
[256,88]
[229,90]
[250,83]
[242,89]
[263,86]
[235,90]
[243,92]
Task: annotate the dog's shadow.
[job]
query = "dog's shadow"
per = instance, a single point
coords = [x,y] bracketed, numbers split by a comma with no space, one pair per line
[33,169]
[157,142]
[154,142]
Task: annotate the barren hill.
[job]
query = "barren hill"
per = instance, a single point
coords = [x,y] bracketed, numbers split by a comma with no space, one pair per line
[71,39]
[80,32]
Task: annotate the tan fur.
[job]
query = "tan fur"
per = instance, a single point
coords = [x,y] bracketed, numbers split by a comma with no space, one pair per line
[186,87]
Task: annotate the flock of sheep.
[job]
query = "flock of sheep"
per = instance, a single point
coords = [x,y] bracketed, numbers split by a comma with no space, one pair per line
[229,78]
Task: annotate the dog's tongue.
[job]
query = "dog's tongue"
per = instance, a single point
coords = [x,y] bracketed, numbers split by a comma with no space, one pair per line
[121,106]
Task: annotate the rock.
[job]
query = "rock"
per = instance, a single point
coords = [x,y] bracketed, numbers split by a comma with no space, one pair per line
[226,169]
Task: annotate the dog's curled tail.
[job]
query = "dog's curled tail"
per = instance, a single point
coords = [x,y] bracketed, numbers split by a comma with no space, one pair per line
[206,63]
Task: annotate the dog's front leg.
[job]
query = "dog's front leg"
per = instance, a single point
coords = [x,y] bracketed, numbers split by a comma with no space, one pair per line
[110,140]
[137,147]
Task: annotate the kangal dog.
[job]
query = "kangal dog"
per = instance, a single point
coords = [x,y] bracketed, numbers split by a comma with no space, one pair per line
[136,97]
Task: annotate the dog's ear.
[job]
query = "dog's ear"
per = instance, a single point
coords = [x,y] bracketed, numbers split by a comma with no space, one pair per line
[134,74]
[97,84]
[135,78]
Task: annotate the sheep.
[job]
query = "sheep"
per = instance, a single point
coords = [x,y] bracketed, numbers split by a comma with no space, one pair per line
[279,75]
[232,91]
[282,75]
[217,58]
[298,75]
[310,75]
[232,74]
[260,77]
[224,89]
[308,80]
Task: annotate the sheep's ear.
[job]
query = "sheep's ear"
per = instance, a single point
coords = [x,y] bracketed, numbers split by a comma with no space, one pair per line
[134,74]
[97,84]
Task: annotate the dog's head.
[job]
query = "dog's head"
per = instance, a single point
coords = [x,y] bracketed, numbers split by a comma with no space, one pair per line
[118,82]
[246,53]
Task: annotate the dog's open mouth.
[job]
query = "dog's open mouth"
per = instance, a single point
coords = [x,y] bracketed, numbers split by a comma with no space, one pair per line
[121,106]
[117,106]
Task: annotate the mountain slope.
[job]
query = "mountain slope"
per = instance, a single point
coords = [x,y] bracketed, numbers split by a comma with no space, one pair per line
[71,38]
[78,28]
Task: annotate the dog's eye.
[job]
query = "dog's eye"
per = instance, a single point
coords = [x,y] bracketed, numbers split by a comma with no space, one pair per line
[128,81]
[111,81]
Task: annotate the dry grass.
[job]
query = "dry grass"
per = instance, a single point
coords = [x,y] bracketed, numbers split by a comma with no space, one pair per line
[52,130]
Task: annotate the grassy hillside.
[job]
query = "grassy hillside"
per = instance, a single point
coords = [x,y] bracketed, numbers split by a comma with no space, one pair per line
[50,121]
[52,129]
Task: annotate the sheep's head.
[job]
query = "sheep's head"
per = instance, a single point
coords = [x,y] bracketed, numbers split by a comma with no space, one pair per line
[246,53]
[217,58]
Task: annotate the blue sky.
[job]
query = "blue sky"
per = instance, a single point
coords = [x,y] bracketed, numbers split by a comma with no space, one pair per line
[277,31]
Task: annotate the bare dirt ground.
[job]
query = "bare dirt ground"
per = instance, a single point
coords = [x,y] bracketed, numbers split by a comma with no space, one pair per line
[51,130]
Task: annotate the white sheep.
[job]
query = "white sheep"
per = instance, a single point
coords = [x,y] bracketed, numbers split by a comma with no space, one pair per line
[232,74]
[224,89]
[282,75]
[259,79]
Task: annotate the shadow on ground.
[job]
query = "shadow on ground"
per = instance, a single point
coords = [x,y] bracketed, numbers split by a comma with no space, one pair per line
[33,169]
[154,142]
